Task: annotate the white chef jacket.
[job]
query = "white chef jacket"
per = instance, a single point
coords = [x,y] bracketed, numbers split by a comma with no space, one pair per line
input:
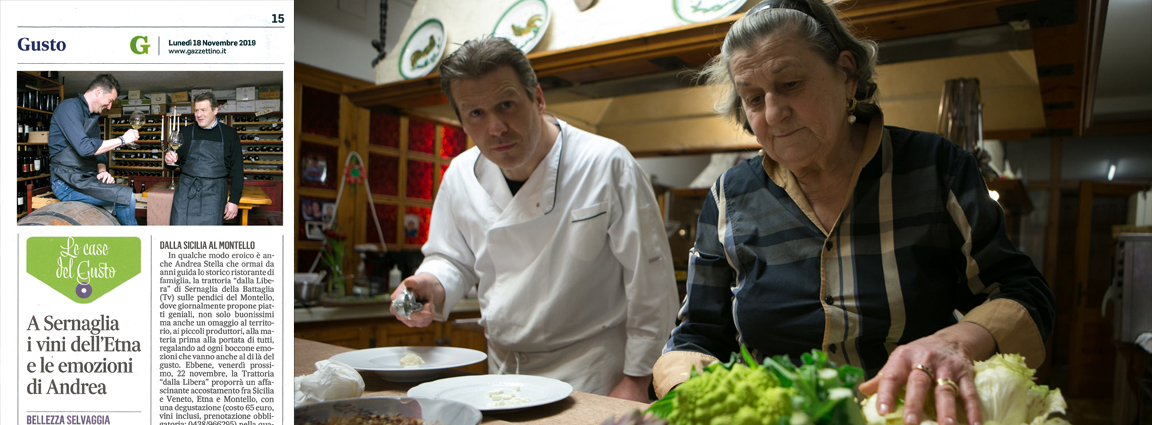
[574,271]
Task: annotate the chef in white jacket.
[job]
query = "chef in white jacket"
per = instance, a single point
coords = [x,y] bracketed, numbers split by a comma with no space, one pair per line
[557,226]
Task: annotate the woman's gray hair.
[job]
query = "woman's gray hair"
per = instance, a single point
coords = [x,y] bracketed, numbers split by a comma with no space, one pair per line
[825,33]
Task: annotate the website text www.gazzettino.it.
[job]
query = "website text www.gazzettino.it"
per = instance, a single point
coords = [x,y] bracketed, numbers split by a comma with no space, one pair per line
[206,47]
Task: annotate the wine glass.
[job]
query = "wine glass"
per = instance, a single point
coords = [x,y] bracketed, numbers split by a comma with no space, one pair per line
[136,121]
[174,142]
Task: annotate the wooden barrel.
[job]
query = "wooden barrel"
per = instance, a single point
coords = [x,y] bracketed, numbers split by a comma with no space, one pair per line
[70,213]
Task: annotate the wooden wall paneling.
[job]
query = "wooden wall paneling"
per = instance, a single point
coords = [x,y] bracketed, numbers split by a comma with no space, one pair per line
[402,183]
[1066,59]
[349,135]
[364,223]
[437,159]
[1080,281]
[298,95]
[326,80]
[1092,353]
[348,213]
[1051,241]
[1093,45]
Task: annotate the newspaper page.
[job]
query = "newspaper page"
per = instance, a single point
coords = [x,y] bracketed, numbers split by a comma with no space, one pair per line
[144,253]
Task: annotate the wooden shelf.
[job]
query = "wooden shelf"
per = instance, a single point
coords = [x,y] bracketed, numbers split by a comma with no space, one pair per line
[260,132]
[42,83]
[37,76]
[268,172]
[33,177]
[21,215]
[21,108]
[264,162]
[308,244]
[313,138]
[317,192]
[262,142]
[121,167]
[140,159]
[235,124]
[32,144]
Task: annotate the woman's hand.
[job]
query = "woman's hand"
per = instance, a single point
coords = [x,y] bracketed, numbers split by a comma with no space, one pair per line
[947,355]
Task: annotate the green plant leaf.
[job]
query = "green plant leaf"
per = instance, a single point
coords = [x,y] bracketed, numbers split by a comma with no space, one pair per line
[748,359]
[784,373]
[663,407]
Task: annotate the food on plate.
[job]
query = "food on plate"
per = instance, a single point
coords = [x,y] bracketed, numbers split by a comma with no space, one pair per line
[1008,396]
[332,380]
[411,360]
[512,398]
[816,392]
[393,419]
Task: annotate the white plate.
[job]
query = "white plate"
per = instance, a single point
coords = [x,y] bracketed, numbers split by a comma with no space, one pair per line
[445,412]
[524,24]
[385,361]
[705,10]
[423,50]
[474,390]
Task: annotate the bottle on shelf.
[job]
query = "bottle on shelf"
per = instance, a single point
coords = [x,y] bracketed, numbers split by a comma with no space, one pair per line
[20,195]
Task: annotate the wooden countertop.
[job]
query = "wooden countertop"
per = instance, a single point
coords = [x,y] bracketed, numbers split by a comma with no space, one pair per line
[579,408]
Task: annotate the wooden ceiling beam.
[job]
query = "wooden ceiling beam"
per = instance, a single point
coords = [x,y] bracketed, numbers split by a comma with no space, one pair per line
[1067,57]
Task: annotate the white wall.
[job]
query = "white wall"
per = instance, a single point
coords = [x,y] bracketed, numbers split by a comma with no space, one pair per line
[336,35]
[568,27]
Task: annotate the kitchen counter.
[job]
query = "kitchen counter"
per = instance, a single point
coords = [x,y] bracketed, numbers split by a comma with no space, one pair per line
[579,408]
[369,311]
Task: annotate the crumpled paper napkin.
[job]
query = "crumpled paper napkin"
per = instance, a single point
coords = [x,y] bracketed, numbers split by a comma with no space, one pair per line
[332,380]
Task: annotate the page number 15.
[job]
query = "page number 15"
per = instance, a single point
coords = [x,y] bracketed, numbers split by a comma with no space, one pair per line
[278,18]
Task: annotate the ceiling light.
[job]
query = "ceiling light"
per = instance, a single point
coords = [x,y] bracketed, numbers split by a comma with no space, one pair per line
[994,195]
[1111,171]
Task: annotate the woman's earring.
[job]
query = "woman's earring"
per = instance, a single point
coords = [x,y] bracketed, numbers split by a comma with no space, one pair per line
[851,111]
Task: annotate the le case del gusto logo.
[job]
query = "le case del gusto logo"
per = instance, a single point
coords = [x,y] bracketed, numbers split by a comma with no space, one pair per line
[83,268]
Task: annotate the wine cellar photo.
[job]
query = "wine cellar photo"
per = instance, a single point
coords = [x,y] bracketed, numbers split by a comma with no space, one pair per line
[164,102]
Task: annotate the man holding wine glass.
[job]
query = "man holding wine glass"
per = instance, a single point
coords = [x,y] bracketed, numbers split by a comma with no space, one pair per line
[79,164]
[209,159]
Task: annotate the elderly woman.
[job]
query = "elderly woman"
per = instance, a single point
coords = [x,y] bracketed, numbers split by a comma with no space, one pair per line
[861,240]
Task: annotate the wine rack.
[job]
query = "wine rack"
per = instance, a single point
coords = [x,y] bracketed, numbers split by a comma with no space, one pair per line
[262,144]
[39,93]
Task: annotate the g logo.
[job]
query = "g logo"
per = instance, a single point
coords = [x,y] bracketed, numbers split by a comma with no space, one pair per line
[137,48]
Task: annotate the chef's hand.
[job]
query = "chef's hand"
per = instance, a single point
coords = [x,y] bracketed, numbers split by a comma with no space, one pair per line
[428,290]
[230,211]
[632,388]
[948,354]
[104,177]
[131,136]
[171,157]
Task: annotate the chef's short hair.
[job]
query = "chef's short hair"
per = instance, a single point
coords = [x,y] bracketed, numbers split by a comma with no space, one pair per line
[479,57]
[104,81]
[211,98]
